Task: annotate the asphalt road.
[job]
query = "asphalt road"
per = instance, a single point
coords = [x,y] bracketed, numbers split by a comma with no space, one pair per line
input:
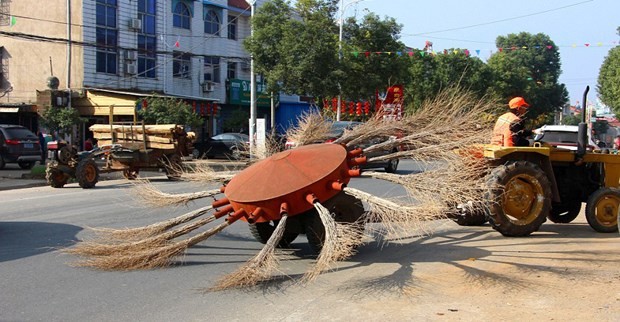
[444,276]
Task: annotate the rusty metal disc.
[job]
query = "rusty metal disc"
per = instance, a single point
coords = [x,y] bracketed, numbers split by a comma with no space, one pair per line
[287,177]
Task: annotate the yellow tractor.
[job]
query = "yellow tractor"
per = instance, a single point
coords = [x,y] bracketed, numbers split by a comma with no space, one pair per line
[528,185]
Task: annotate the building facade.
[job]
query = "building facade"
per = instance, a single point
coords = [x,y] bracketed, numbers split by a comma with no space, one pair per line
[104,55]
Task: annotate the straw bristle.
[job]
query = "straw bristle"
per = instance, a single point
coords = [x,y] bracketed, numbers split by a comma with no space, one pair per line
[149,195]
[340,240]
[258,269]
[101,248]
[106,235]
[202,172]
[156,256]
[312,128]
[399,218]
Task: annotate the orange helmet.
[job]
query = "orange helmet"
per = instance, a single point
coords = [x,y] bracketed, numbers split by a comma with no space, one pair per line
[517,102]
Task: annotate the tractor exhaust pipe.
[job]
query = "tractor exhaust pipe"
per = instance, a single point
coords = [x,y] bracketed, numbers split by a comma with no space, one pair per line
[582,132]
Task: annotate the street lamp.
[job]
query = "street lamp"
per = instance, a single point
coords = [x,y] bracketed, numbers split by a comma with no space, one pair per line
[343,7]
[252,4]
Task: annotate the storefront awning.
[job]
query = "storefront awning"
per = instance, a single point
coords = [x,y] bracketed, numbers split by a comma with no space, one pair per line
[100,102]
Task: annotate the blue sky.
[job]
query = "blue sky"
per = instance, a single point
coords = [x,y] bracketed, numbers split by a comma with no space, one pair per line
[475,25]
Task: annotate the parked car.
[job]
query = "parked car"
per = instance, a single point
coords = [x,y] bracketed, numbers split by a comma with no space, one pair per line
[337,130]
[18,145]
[561,136]
[223,146]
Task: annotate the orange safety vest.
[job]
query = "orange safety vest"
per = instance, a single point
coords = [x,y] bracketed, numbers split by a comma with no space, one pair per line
[501,132]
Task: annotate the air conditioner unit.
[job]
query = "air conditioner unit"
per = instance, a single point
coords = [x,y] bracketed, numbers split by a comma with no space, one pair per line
[131,68]
[207,87]
[135,24]
[131,55]
[245,66]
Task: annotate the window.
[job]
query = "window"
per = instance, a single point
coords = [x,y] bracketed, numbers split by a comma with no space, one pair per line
[232,71]
[232,27]
[181,65]
[106,37]
[212,69]
[212,21]
[147,39]
[5,13]
[181,16]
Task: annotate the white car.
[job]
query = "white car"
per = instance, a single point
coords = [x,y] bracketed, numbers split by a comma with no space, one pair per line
[561,136]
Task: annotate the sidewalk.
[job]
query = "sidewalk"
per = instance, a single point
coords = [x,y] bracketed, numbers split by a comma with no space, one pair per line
[12,177]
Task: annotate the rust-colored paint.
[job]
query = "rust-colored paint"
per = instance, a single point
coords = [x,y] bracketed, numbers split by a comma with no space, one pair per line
[288,177]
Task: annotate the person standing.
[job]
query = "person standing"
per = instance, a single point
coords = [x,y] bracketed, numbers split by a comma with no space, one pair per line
[509,129]
[43,145]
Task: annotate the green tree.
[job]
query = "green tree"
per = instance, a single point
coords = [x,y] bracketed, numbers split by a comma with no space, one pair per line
[160,110]
[608,86]
[529,66]
[571,120]
[60,119]
[296,48]
[455,67]
[363,71]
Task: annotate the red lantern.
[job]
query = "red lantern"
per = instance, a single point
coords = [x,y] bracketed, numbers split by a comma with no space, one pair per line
[351,108]
[367,107]
[358,110]
[334,104]
[216,110]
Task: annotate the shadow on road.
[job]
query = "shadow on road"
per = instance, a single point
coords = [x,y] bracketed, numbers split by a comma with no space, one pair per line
[473,253]
[19,239]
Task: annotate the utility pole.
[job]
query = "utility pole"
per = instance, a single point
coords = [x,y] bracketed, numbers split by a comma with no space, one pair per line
[252,3]
[343,7]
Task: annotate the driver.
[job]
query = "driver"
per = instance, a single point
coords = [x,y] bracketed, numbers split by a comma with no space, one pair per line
[509,129]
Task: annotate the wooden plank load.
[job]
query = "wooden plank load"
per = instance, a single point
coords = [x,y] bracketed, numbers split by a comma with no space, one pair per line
[154,136]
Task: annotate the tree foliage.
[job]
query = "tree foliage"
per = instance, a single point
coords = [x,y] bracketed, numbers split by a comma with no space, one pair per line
[528,66]
[160,110]
[296,48]
[608,86]
[60,119]
[361,73]
[430,73]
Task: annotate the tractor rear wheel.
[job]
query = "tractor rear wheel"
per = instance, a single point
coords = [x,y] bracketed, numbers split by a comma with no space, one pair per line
[563,213]
[602,210]
[518,197]
[262,231]
[56,178]
[87,173]
[345,208]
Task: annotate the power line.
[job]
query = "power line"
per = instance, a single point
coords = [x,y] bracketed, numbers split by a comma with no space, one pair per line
[501,20]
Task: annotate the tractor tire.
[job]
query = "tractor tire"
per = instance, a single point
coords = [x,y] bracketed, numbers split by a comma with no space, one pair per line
[392,166]
[344,207]
[262,231]
[563,213]
[173,166]
[602,210]
[56,178]
[518,198]
[87,173]
[475,218]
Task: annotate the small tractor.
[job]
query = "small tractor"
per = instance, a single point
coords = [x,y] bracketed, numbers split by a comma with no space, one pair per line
[528,185]
[122,148]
